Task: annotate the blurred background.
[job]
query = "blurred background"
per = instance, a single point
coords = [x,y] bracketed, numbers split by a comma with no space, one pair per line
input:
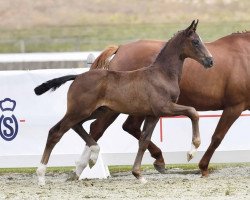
[91,25]
[83,25]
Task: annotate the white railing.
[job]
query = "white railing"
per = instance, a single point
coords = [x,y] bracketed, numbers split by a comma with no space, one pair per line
[45,57]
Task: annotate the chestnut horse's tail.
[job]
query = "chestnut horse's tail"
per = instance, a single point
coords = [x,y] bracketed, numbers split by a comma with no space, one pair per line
[53,84]
[102,61]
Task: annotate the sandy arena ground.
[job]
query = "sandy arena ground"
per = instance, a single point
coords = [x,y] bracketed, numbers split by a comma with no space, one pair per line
[228,183]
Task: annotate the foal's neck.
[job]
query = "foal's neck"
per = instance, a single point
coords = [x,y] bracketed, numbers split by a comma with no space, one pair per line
[170,58]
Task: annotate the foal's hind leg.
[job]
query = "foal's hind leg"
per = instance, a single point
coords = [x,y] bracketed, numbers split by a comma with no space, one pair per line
[149,125]
[55,134]
[132,126]
[228,117]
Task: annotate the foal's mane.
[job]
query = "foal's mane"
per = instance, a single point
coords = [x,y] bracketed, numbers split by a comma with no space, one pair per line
[167,44]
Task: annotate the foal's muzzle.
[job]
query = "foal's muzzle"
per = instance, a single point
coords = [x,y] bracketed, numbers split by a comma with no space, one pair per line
[208,62]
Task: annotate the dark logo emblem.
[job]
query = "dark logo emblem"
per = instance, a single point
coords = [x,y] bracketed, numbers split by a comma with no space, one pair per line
[8,122]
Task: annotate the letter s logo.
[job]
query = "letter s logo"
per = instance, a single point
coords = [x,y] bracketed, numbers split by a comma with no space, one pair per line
[8,127]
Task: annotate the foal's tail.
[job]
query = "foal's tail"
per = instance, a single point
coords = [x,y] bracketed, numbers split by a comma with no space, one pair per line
[102,61]
[53,84]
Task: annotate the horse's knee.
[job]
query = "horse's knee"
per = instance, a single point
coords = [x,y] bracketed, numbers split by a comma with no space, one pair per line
[194,113]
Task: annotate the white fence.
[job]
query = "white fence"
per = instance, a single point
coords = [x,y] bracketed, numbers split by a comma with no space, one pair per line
[33,116]
[45,57]
[56,60]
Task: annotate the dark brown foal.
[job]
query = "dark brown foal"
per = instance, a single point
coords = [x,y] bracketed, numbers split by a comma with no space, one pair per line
[151,92]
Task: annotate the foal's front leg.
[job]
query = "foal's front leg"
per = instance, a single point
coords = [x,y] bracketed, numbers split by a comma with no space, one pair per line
[175,110]
[149,125]
[133,126]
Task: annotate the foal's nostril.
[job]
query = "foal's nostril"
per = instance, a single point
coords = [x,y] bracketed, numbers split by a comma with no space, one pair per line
[208,62]
[211,62]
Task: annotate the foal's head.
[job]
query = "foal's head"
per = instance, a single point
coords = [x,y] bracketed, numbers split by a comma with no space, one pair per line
[194,48]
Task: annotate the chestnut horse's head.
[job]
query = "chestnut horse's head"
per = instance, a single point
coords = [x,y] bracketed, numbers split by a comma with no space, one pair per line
[194,48]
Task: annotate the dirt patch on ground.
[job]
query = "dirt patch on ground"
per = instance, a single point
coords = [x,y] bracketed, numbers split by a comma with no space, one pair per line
[226,183]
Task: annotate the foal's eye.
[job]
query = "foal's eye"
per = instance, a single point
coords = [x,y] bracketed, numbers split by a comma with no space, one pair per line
[196,43]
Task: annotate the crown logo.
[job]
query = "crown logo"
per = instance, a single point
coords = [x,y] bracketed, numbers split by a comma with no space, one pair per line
[7,104]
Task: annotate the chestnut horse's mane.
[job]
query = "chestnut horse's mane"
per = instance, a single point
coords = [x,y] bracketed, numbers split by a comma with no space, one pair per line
[242,32]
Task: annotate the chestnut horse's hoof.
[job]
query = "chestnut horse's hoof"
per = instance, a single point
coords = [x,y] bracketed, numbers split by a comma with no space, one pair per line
[204,173]
[160,168]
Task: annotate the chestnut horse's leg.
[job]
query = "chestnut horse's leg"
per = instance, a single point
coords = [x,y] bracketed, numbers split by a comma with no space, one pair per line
[149,125]
[132,125]
[229,115]
[101,123]
[174,110]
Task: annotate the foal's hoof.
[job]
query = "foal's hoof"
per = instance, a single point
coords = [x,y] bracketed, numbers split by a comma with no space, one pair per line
[72,177]
[160,168]
[139,177]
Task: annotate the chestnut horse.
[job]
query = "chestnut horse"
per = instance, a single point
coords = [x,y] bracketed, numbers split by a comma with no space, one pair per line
[151,92]
[227,86]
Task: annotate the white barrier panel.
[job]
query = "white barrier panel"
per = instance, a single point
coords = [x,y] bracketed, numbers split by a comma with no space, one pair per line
[45,57]
[24,130]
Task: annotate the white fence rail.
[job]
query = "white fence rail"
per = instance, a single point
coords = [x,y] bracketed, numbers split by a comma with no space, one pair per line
[45,57]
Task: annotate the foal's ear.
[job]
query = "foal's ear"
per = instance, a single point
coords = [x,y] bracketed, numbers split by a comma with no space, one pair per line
[195,25]
[192,28]
[191,25]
